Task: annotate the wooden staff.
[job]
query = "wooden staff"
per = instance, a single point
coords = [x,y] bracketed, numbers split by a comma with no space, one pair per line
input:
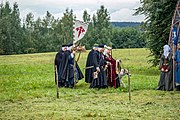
[173,49]
[57,92]
[129,86]
[74,71]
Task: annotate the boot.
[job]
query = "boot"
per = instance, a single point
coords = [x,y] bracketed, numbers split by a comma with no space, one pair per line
[178,88]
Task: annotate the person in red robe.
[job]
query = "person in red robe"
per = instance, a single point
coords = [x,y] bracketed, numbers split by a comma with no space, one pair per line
[111,69]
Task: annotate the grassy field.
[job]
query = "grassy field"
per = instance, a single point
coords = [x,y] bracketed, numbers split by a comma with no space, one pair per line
[27,91]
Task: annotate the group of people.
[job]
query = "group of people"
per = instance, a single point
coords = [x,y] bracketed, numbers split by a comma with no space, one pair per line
[101,68]
[66,67]
[170,70]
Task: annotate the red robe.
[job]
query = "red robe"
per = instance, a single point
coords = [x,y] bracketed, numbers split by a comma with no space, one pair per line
[111,71]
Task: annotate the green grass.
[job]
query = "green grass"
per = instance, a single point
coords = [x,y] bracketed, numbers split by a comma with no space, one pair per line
[27,91]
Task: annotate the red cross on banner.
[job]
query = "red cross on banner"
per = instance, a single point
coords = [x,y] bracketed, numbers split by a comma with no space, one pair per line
[79,30]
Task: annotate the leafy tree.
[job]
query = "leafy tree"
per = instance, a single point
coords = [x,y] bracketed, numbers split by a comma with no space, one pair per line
[102,30]
[87,40]
[29,25]
[67,26]
[6,46]
[157,25]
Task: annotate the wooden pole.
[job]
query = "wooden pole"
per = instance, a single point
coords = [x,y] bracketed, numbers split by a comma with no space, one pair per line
[57,86]
[74,70]
[129,86]
[173,49]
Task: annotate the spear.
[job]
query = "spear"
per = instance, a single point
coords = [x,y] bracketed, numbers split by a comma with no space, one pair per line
[57,92]
[129,86]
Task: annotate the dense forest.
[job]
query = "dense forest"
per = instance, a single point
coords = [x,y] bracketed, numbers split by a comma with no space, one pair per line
[126,24]
[47,34]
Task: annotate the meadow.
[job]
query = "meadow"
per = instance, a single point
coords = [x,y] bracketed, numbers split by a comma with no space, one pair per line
[28,91]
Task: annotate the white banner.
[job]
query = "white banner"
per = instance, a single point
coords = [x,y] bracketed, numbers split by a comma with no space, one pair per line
[79,30]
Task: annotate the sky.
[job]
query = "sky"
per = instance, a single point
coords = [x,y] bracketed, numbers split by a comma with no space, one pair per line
[119,10]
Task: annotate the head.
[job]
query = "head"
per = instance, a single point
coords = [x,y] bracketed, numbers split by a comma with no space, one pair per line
[108,50]
[101,48]
[166,50]
[95,47]
[64,47]
[70,46]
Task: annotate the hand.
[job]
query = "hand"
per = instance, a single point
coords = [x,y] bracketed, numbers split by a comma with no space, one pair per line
[98,69]
[74,52]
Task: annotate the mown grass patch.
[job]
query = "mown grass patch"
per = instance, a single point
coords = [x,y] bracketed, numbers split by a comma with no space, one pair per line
[27,91]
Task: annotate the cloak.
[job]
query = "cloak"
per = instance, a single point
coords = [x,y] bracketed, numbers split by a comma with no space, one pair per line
[101,80]
[89,71]
[166,74]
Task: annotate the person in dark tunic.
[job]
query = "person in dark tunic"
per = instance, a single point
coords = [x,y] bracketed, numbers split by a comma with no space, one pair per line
[89,70]
[100,77]
[58,60]
[166,74]
[177,68]
[67,68]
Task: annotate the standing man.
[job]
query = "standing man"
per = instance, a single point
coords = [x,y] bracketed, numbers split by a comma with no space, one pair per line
[100,77]
[89,70]
[58,61]
[177,69]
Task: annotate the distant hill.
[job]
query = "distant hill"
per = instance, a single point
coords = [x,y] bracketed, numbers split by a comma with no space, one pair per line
[126,24]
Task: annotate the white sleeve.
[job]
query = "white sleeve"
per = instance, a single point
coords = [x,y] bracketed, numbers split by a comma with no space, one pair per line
[72,55]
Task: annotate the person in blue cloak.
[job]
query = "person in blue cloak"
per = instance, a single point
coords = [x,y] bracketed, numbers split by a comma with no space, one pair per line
[177,67]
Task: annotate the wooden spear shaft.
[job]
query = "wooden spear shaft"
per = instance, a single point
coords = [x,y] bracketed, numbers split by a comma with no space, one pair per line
[57,91]
[129,86]
[74,71]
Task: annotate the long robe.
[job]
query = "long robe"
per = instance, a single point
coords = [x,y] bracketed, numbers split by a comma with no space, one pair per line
[89,71]
[101,80]
[63,69]
[177,69]
[111,72]
[166,77]
[58,59]
[66,70]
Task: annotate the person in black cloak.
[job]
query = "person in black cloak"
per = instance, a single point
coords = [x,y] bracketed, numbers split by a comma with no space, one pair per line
[100,77]
[67,68]
[58,59]
[166,68]
[89,70]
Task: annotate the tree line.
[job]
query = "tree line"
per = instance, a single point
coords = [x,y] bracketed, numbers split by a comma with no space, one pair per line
[48,34]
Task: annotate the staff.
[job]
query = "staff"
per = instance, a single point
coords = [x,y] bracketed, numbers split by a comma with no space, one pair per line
[129,86]
[56,81]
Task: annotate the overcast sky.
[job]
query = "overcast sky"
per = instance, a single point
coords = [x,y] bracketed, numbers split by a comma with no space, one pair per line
[120,10]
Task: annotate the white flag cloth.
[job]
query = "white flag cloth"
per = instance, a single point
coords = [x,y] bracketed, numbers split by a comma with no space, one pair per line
[79,30]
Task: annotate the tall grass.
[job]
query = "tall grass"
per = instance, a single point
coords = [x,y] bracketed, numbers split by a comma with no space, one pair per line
[27,91]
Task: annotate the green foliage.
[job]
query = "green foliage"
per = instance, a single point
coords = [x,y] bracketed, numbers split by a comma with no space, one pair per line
[48,34]
[128,38]
[157,25]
